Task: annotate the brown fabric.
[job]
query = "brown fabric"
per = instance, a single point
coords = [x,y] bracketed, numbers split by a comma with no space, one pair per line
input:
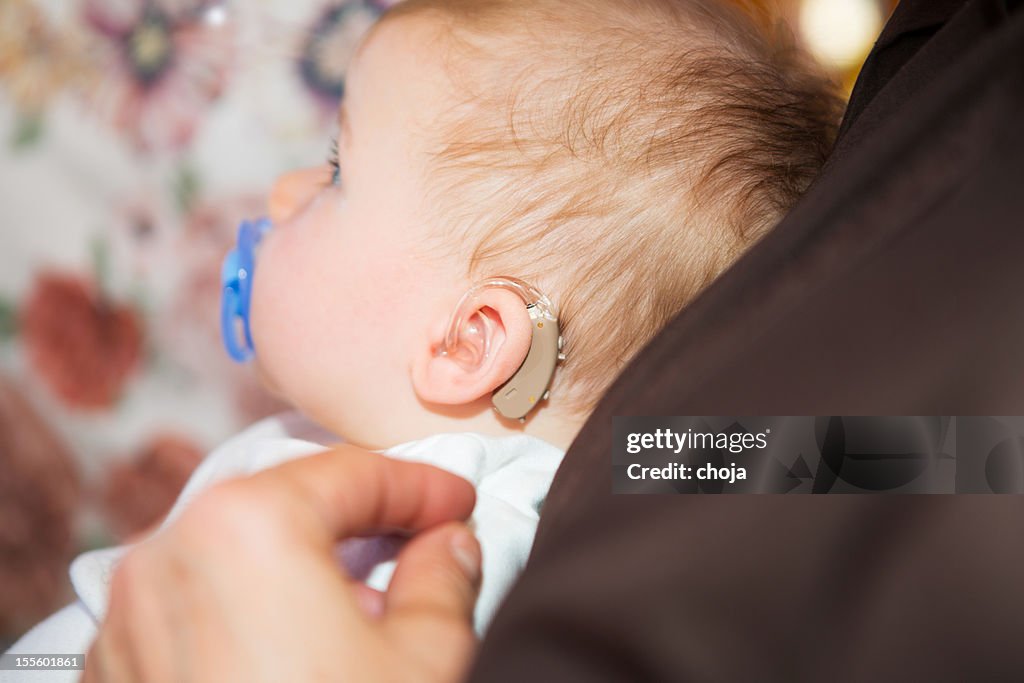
[895,287]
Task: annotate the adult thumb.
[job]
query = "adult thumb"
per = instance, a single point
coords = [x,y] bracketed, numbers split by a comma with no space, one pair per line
[437,578]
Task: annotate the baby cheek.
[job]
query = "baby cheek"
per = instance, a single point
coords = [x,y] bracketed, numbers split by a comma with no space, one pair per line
[285,300]
[269,307]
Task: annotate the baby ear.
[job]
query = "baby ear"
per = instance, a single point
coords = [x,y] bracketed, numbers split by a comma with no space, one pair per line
[492,344]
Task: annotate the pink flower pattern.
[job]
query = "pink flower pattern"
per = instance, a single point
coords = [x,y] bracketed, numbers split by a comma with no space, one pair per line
[168,62]
[83,345]
[140,492]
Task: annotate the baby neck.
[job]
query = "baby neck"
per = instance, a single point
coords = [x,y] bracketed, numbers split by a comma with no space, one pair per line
[547,423]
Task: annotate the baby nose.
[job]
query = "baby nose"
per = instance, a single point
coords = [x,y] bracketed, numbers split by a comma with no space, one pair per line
[294,190]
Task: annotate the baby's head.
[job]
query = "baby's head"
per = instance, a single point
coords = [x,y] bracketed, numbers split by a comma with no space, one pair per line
[615,155]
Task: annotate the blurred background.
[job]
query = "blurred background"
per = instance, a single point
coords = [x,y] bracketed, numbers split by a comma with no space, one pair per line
[134,136]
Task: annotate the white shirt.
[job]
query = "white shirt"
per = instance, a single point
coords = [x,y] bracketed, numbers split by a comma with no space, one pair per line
[511,474]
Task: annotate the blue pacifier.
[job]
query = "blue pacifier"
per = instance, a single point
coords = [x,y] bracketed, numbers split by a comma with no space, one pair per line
[236,279]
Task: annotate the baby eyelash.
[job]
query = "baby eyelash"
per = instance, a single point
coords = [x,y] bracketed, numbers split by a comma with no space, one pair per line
[332,159]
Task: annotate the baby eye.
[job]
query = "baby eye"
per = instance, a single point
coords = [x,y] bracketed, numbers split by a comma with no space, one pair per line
[332,160]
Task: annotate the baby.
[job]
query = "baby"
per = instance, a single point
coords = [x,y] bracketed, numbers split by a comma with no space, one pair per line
[615,156]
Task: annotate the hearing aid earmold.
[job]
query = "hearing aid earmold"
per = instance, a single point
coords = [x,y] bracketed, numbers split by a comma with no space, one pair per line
[531,382]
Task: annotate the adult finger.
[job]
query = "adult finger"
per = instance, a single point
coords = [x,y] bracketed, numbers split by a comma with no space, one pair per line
[429,604]
[348,492]
[106,663]
[132,618]
[438,575]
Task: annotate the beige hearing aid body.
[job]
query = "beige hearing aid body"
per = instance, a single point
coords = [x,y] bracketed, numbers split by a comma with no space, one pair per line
[518,396]
[530,384]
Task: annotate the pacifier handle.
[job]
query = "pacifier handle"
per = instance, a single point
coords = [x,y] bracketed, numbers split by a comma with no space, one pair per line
[237,275]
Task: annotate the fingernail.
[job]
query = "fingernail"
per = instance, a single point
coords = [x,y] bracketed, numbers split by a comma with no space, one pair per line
[466,553]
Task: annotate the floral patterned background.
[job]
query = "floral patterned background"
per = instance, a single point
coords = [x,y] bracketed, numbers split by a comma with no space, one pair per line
[134,136]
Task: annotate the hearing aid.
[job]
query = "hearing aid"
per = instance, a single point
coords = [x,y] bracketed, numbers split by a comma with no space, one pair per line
[531,383]
[236,276]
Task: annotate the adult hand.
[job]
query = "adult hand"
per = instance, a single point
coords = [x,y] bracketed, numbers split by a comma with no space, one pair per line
[244,586]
